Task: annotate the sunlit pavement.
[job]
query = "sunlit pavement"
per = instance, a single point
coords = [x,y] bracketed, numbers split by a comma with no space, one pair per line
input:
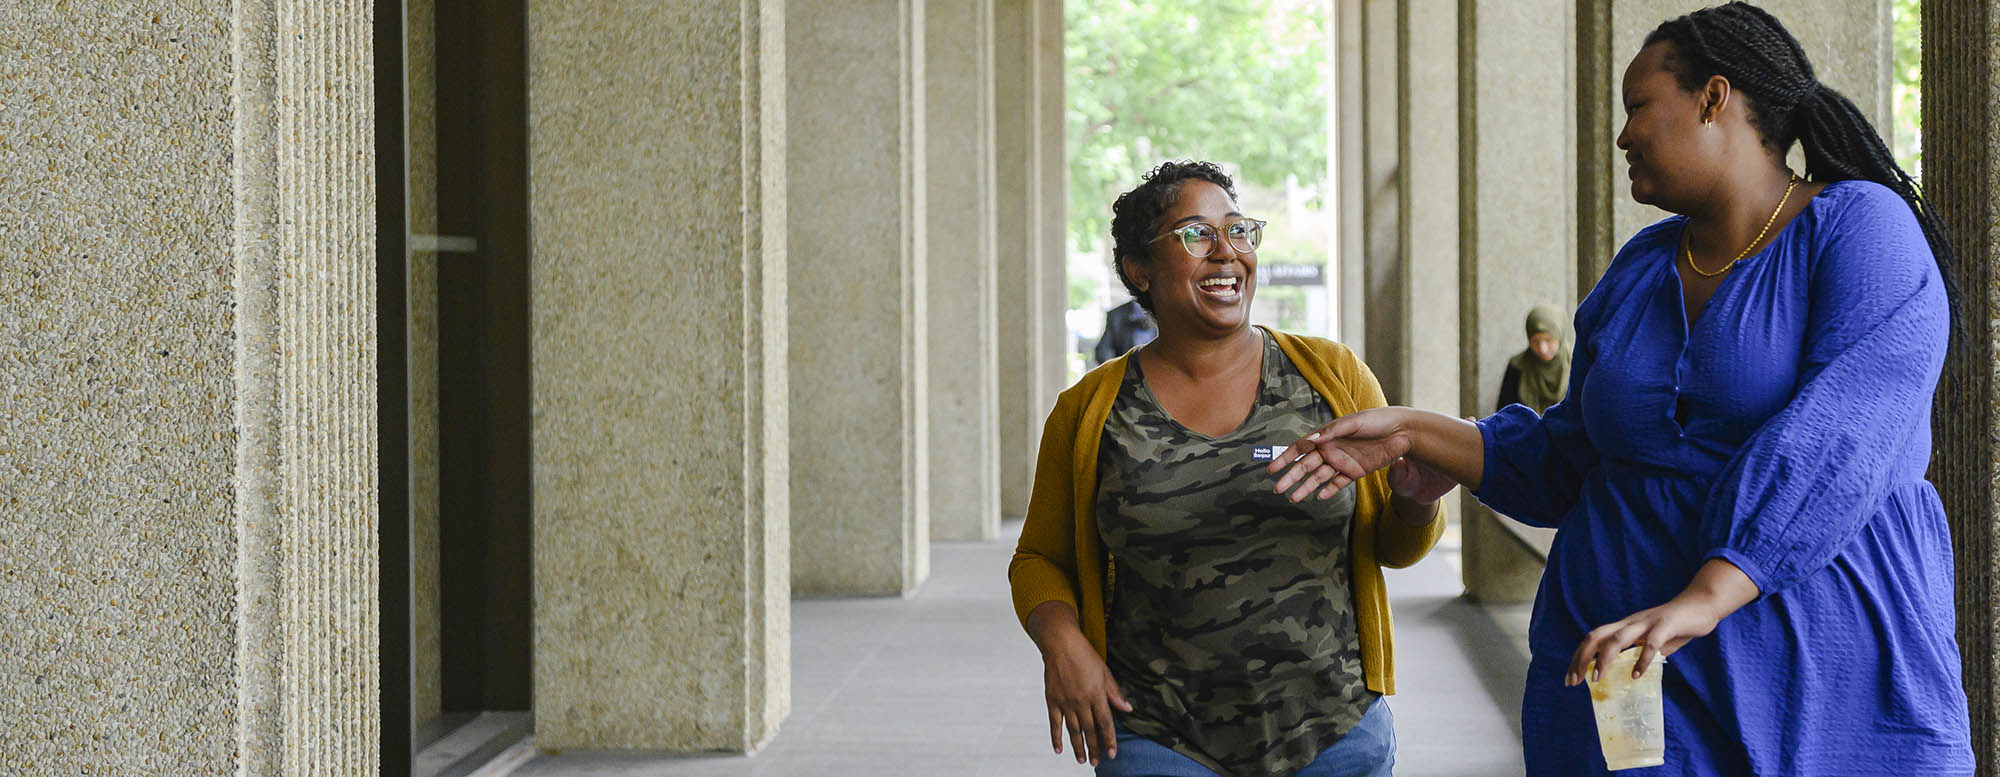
[945,683]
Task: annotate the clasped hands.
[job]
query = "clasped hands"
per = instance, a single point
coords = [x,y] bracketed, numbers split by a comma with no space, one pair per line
[1346,450]
[1352,446]
[1082,695]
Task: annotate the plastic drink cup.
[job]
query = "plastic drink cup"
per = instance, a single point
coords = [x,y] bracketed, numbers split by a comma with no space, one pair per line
[1630,724]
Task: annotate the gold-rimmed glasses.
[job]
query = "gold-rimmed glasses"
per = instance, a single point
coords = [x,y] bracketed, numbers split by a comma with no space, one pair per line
[1201,237]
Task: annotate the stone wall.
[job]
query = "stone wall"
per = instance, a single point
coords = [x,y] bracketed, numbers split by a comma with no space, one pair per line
[659,279]
[964,458]
[187,452]
[860,345]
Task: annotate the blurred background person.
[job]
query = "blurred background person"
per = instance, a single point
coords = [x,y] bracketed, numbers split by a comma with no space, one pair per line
[1126,327]
[1539,375]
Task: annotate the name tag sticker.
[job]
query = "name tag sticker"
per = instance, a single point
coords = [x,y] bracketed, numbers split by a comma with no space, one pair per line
[1264,452]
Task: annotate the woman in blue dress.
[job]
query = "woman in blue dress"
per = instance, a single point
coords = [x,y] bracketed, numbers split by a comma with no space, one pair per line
[1736,477]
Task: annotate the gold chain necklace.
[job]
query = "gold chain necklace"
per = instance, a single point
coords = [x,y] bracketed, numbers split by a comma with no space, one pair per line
[1687,243]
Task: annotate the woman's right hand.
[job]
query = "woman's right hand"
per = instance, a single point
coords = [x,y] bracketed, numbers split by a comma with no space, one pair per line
[1342,452]
[1078,687]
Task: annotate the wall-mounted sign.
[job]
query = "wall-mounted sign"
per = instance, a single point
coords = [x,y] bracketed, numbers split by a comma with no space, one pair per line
[1293,274]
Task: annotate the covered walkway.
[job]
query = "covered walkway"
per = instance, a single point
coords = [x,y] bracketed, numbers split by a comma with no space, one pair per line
[377,365]
[944,683]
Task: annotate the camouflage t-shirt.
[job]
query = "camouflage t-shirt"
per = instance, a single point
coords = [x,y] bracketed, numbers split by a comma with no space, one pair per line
[1232,623]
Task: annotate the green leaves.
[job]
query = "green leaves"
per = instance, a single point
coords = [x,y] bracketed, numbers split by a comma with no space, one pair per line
[1906,134]
[1239,82]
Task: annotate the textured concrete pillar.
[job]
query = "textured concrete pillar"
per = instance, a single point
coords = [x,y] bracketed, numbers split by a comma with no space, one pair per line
[1961,174]
[1381,196]
[1849,44]
[859,344]
[1347,173]
[189,428]
[1517,221]
[657,179]
[1600,172]
[1401,227]
[1018,274]
[1050,192]
[964,456]
[421,182]
[1501,561]
[1427,187]
[307,536]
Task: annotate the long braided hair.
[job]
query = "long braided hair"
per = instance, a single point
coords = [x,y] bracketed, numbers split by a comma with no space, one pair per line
[1761,59]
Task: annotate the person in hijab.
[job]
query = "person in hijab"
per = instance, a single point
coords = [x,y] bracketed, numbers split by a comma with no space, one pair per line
[1539,376]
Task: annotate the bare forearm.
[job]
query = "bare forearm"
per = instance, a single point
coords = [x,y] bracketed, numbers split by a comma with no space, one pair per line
[1718,589]
[1053,624]
[1720,586]
[1447,444]
[1411,511]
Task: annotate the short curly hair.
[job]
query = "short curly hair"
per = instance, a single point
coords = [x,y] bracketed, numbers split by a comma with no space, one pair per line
[1135,215]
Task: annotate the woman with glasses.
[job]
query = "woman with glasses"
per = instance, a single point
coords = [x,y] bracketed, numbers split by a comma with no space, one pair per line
[1736,478]
[1191,621]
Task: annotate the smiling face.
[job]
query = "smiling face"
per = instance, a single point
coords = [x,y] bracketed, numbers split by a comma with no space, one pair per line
[1207,296]
[1670,151]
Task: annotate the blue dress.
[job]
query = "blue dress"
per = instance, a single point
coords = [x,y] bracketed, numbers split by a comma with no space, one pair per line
[1787,431]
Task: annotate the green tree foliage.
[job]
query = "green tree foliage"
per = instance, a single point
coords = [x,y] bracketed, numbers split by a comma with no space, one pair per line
[1907,137]
[1239,82]
[1082,289]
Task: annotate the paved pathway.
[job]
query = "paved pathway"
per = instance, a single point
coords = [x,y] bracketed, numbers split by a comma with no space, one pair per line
[945,683]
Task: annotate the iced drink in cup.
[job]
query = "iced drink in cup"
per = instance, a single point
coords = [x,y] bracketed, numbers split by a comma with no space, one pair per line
[1630,725]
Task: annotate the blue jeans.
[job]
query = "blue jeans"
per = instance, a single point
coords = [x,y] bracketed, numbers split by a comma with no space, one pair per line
[1368,750]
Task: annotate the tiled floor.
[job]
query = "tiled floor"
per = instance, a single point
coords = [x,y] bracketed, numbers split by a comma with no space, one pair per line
[945,683]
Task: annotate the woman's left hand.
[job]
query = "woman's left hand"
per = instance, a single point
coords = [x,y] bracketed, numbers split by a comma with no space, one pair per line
[1658,632]
[1418,482]
[1719,589]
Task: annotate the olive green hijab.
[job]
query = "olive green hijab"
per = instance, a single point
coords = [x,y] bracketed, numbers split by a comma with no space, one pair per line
[1543,383]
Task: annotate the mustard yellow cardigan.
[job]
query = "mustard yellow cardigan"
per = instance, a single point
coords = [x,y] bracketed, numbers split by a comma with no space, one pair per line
[1059,558]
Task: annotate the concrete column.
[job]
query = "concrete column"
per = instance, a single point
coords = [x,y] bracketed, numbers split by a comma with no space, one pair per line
[1427,188]
[657,177]
[1400,200]
[1050,190]
[1517,224]
[190,420]
[859,345]
[420,155]
[1381,197]
[307,535]
[1018,307]
[1961,174]
[1849,44]
[1347,173]
[1599,114]
[964,456]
